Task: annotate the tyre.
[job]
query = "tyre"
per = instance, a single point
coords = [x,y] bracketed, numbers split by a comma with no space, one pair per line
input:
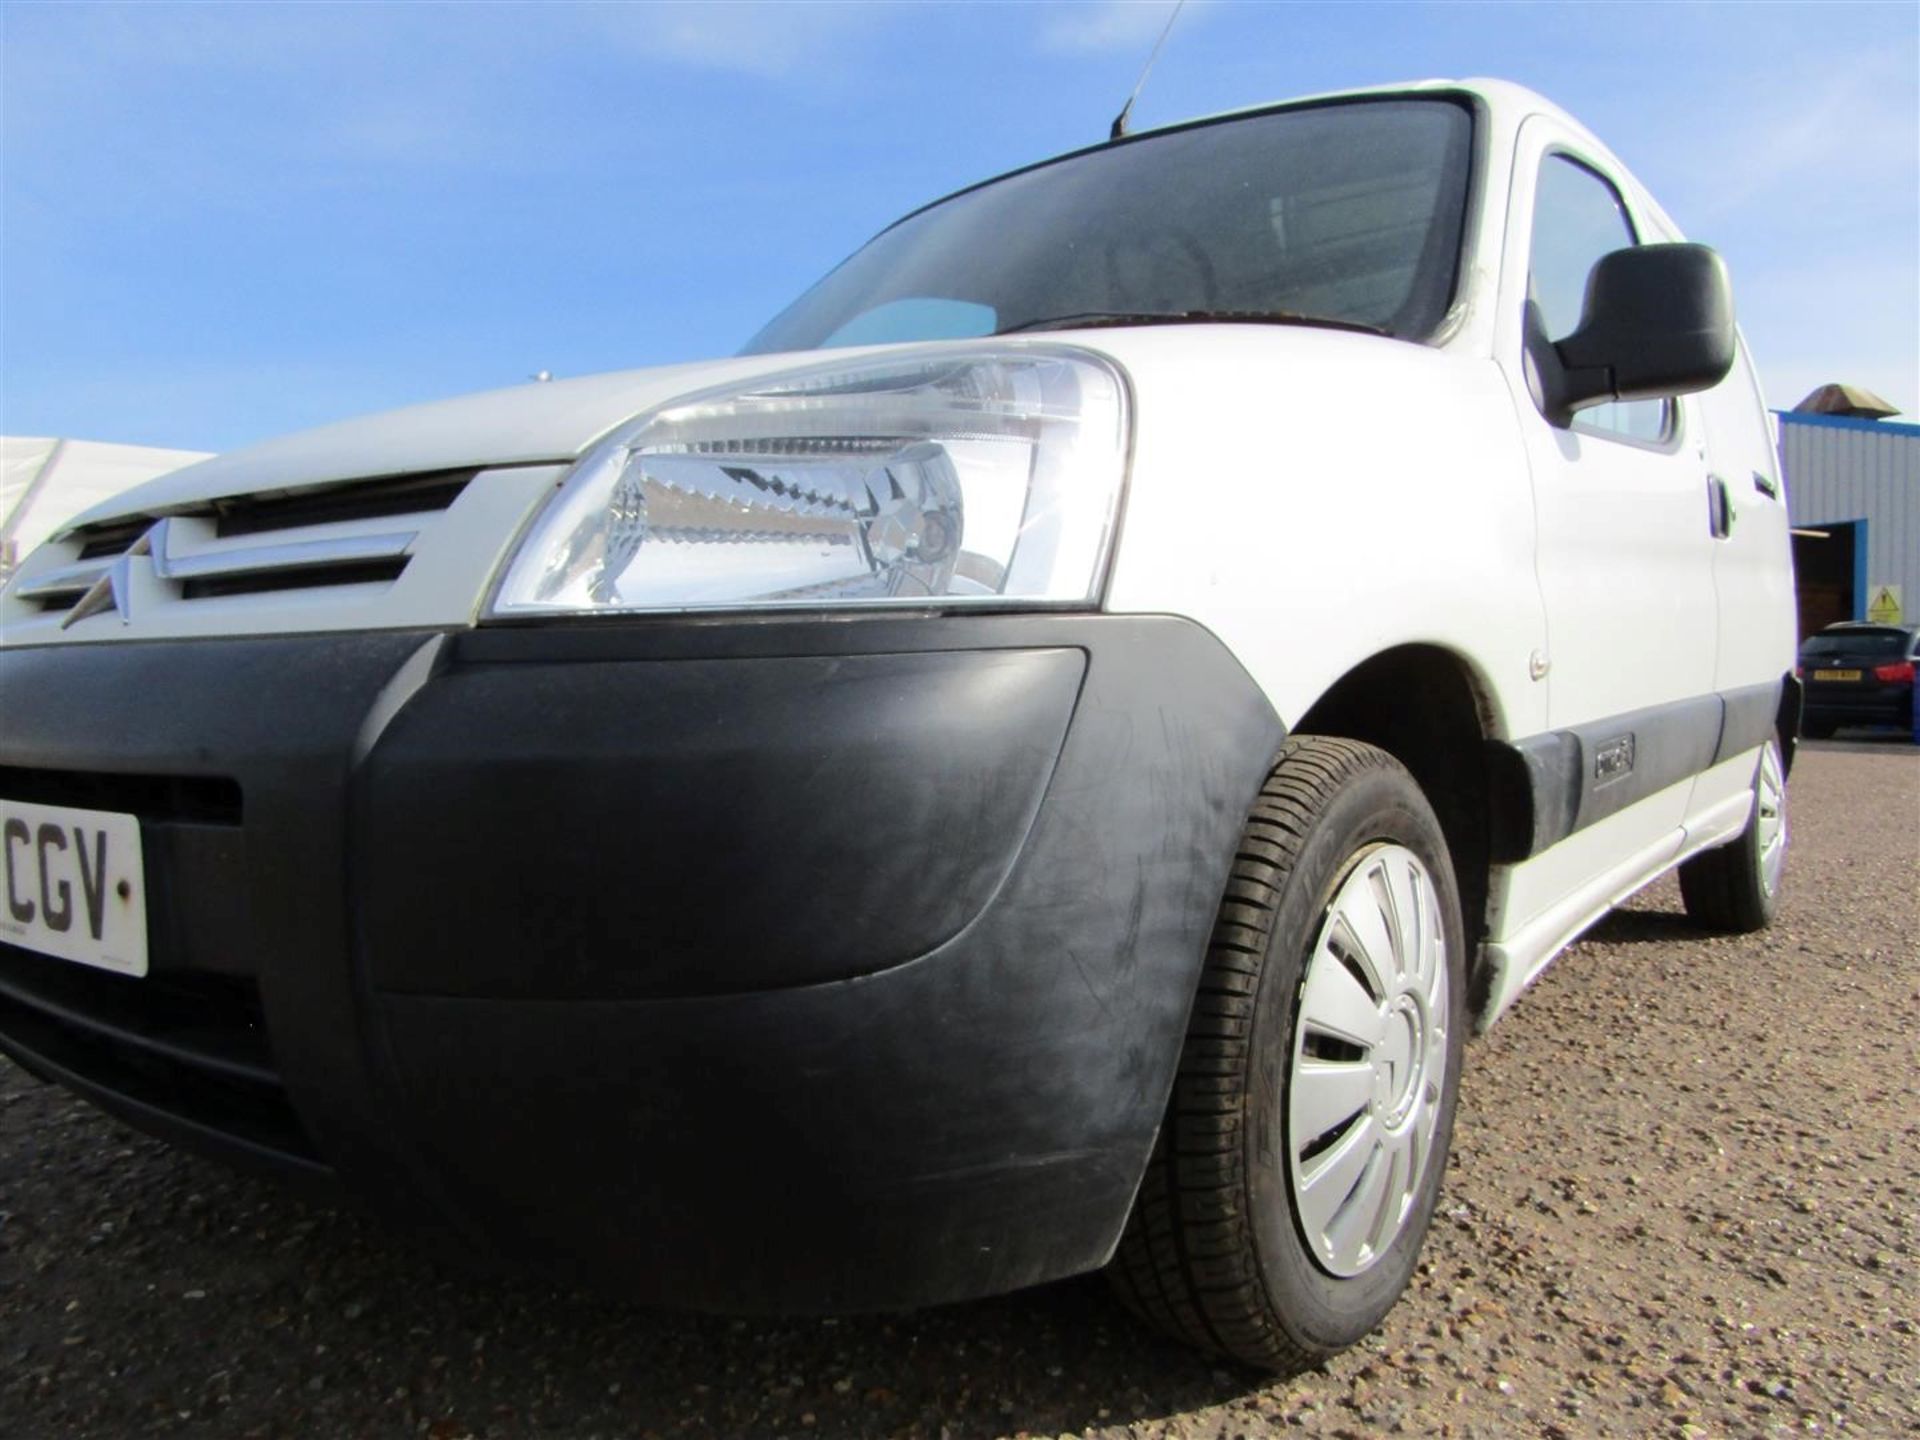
[1736,887]
[1817,729]
[1298,1166]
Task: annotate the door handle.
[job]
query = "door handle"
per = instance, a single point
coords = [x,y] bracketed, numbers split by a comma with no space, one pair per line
[1720,515]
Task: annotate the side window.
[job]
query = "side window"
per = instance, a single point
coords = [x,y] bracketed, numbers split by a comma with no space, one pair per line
[1578,217]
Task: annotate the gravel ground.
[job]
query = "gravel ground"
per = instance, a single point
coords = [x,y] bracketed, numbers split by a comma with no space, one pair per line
[1683,1202]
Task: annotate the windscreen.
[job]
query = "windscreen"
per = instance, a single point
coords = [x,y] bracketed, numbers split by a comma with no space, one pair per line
[1349,214]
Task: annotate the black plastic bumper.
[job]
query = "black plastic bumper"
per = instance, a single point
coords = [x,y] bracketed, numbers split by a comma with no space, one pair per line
[1889,704]
[800,965]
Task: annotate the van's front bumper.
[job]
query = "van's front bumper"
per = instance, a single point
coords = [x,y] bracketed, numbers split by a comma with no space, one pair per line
[805,965]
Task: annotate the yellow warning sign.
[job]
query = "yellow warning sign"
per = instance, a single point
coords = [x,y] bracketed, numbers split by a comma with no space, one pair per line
[1883,605]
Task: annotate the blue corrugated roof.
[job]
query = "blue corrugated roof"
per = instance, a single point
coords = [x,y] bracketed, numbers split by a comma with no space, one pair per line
[1848,422]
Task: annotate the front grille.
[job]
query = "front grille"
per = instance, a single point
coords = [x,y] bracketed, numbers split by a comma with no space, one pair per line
[411,551]
[319,538]
[187,1050]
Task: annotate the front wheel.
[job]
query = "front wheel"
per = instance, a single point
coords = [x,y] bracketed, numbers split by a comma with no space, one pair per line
[1736,888]
[1300,1160]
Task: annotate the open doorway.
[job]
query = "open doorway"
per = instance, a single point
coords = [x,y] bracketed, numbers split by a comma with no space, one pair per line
[1828,573]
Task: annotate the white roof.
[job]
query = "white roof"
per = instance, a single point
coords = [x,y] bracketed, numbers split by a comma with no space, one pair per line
[45,481]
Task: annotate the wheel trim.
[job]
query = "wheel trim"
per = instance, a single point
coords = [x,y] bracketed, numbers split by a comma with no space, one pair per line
[1369,1061]
[1770,829]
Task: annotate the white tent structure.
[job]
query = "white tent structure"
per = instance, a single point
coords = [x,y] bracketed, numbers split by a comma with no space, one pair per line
[45,482]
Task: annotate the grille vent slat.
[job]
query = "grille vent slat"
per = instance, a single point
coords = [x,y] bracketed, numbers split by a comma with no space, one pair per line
[189,1048]
[175,799]
[255,514]
[257,582]
[405,495]
[104,541]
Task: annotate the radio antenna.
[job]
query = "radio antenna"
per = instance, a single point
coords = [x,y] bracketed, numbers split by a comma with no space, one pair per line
[1120,120]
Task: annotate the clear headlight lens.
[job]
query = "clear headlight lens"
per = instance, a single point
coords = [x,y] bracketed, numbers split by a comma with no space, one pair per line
[963,478]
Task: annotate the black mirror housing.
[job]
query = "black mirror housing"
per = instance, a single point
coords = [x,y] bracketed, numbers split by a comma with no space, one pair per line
[1657,322]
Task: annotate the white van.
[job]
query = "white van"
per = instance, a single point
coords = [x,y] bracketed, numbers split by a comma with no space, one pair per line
[1037,764]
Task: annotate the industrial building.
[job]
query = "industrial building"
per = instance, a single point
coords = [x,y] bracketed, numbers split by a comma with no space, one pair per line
[1853,488]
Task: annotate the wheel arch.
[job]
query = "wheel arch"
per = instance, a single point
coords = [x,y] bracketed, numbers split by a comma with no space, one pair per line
[1434,712]
[1793,704]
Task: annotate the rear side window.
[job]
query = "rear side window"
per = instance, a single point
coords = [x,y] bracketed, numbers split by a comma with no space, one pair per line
[1578,217]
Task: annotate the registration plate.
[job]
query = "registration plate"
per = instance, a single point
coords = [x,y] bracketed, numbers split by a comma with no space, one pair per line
[1836,674]
[74,885]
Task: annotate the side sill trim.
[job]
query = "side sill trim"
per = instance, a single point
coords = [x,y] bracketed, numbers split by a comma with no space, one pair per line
[1578,776]
[1515,963]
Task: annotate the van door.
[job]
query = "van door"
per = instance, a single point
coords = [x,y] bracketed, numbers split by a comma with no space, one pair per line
[1752,574]
[1625,552]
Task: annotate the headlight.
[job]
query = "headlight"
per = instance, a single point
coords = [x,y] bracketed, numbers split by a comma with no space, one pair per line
[963,478]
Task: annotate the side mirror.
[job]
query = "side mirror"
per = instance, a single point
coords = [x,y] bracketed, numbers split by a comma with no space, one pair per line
[1658,322]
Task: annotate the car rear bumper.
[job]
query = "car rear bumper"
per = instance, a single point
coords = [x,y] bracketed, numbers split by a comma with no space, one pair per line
[752,966]
[1855,705]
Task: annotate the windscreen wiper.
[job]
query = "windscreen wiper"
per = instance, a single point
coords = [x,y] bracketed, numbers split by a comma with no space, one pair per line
[1090,319]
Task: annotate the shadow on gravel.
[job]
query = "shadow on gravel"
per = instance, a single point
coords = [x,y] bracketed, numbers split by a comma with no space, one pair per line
[1645,927]
[183,1296]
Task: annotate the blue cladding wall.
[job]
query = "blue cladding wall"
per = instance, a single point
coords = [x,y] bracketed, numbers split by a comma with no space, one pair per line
[1838,469]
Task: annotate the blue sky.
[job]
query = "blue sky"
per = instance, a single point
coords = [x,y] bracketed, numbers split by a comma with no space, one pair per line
[226,221]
